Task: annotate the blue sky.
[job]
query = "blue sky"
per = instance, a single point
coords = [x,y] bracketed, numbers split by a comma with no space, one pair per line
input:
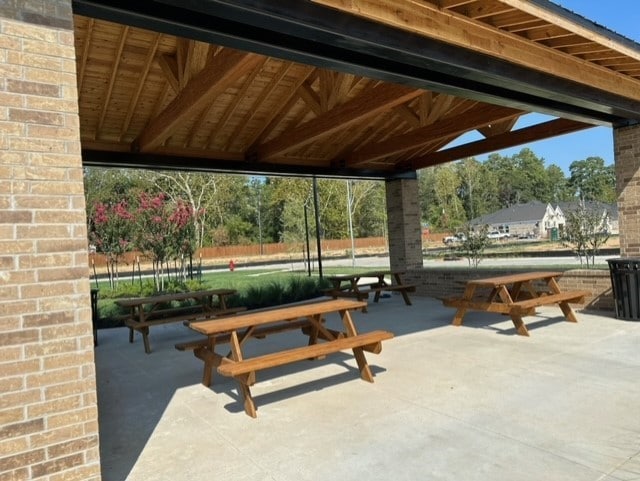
[621,16]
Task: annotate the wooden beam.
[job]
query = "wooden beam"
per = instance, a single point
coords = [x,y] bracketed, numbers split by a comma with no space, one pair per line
[277,114]
[427,19]
[478,116]
[536,10]
[497,128]
[86,48]
[369,104]
[144,72]
[169,67]
[112,80]
[226,68]
[533,133]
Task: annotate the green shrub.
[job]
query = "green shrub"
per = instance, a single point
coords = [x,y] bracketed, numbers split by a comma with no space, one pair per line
[295,288]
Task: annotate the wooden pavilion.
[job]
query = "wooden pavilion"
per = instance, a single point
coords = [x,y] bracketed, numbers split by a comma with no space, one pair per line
[354,88]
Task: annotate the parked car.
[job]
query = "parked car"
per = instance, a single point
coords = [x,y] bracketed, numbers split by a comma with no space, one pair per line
[497,235]
[453,239]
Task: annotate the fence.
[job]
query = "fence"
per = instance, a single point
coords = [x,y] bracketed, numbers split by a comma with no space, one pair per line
[298,249]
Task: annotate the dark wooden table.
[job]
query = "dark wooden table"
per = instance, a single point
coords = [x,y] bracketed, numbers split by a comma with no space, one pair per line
[145,312]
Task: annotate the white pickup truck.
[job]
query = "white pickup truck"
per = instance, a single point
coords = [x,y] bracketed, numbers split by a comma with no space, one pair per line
[453,239]
[497,235]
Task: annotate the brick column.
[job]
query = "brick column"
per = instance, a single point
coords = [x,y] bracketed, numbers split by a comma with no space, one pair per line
[48,405]
[626,143]
[403,219]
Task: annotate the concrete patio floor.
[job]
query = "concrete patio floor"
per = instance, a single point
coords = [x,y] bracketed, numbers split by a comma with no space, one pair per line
[475,402]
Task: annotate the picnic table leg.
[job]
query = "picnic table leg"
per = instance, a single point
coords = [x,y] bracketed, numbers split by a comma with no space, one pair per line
[566,308]
[206,354]
[145,338]
[133,316]
[519,324]
[568,311]
[363,367]
[516,317]
[405,294]
[358,352]
[461,311]
[243,383]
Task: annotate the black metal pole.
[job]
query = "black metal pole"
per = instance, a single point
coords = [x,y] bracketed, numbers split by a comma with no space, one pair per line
[306,230]
[317,213]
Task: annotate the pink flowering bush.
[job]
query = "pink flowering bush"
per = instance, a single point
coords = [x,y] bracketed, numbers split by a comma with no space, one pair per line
[161,230]
[111,231]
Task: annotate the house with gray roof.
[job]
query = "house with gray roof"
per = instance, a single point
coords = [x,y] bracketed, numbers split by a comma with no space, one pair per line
[538,219]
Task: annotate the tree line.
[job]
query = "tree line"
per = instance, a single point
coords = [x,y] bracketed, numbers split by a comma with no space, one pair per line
[453,194]
[243,209]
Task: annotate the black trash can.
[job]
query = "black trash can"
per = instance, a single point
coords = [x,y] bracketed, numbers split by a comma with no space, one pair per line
[94,315]
[625,282]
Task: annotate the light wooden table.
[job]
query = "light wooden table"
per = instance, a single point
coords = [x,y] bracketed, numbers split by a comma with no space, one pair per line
[516,295]
[321,341]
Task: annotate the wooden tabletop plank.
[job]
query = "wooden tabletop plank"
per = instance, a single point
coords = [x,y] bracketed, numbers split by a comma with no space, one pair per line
[177,296]
[292,312]
[512,278]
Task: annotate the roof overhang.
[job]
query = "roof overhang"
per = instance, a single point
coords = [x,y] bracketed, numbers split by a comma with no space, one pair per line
[364,39]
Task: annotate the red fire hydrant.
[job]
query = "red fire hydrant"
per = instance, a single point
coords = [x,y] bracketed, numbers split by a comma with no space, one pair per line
[232,265]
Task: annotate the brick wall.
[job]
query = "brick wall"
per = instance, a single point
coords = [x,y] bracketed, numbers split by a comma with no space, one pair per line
[403,219]
[626,146]
[444,282]
[48,405]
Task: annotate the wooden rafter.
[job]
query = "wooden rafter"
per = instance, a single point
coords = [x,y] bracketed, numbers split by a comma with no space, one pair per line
[497,128]
[429,20]
[540,131]
[229,66]
[141,82]
[533,9]
[370,103]
[472,119]
[483,10]
[258,101]
[85,54]
[114,75]
[311,98]
[237,99]
[277,114]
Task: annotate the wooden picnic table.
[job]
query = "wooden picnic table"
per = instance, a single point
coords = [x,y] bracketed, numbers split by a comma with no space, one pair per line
[359,285]
[516,295]
[145,312]
[309,317]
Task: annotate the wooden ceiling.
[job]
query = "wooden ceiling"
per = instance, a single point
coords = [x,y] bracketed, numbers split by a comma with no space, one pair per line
[151,98]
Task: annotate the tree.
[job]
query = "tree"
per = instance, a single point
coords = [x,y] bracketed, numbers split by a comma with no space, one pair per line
[592,180]
[193,187]
[111,232]
[585,232]
[559,188]
[446,188]
[473,243]
[478,188]
[505,170]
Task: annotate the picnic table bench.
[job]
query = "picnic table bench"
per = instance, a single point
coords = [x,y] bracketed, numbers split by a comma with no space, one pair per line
[145,312]
[309,317]
[516,295]
[361,284]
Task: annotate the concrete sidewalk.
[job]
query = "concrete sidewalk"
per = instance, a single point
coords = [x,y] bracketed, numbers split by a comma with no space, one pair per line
[475,402]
